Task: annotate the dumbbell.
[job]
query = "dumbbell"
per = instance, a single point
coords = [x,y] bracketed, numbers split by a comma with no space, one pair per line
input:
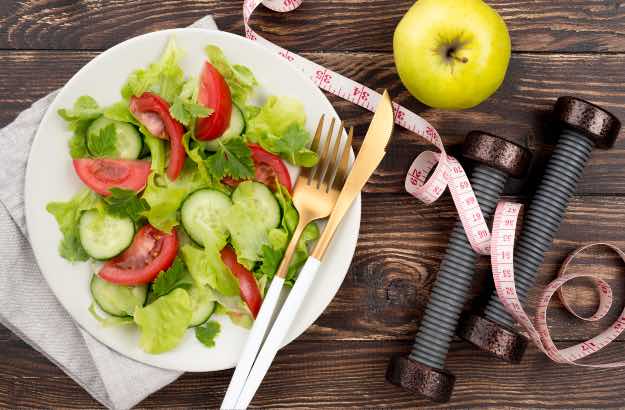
[584,126]
[423,371]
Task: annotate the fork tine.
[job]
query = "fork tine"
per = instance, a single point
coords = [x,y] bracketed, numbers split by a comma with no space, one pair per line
[306,172]
[322,165]
[341,173]
[333,160]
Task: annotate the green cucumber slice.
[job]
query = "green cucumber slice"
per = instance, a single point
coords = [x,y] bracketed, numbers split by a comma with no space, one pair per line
[202,304]
[104,236]
[129,143]
[117,300]
[202,215]
[254,213]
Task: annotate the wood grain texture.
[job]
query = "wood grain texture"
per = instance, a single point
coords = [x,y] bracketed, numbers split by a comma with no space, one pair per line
[340,375]
[560,47]
[361,25]
[402,243]
[518,111]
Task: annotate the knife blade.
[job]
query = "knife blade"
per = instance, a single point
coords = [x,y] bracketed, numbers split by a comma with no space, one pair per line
[371,153]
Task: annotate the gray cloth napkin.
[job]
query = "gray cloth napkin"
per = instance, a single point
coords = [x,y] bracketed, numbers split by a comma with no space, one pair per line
[31,311]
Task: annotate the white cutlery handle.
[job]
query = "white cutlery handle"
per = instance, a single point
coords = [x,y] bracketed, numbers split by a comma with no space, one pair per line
[278,332]
[252,345]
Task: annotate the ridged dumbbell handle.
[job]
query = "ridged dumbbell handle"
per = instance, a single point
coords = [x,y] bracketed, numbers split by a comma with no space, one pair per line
[544,216]
[453,283]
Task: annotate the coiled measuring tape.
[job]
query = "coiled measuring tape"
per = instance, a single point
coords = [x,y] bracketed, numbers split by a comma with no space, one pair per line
[446,172]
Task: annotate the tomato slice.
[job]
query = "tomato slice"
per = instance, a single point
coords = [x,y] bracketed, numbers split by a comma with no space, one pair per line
[102,174]
[151,252]
[247,284]
[214,93]
[269,167]
[153,112]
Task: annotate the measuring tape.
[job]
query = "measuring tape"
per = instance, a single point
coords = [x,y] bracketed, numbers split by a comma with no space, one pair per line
[446,172]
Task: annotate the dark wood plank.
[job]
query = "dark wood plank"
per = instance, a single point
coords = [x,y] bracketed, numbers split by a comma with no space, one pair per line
[517,111]
[336,374]
[542,25]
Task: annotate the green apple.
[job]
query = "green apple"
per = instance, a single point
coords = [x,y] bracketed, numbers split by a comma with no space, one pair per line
[451,54]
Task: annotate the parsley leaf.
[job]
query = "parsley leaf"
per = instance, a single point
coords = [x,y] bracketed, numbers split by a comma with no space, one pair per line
[105,145]
[291,145]
[233,158]
[124,202]
[271,261]
[208,332]
[185,111]
[174,277]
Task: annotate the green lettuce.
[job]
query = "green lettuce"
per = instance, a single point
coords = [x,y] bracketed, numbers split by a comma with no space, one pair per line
[164,322]
[164,77]
[245,220]
[207,269]
[240,79]
[165,197]
[279,127]
[79,118]
[67,215]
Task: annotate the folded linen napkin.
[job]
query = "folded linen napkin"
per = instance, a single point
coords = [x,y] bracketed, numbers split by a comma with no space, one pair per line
[30,309]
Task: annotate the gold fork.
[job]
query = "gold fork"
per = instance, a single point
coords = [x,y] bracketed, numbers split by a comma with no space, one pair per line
[318,188]
[316,192]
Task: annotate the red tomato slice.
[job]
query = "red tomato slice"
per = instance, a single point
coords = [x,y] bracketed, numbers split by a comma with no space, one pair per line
[214,93]
[151,252]
[247,284]
[268,167]
[102,174]
[153,112]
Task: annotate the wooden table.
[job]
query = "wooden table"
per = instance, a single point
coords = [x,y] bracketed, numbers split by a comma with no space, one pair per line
[560,47]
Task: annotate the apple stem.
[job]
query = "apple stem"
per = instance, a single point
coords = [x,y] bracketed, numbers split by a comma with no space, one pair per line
[462,60]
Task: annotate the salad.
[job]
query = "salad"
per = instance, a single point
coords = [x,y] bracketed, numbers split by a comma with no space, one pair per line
[186,211]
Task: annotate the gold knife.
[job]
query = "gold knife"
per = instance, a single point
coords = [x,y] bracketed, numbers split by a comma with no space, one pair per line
[371,153]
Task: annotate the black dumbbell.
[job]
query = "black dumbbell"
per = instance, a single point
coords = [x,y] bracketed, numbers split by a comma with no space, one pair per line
[422,372]
[584,126]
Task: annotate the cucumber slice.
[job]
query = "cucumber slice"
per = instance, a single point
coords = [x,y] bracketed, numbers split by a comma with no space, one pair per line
[202,215]
[129,143]
[117,300]
[254,213]
[257,196]
[202,304]
[236,128]
[104,236]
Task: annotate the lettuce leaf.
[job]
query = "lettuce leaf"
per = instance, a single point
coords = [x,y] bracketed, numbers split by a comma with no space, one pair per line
[67,215]
[164,77]
[165,197]
[79,118]
[164,322]
[279,127]
[157,151]
[235,308]
[240,79]
[207,269]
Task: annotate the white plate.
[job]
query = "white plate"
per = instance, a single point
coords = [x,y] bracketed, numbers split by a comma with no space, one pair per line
[50,177]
